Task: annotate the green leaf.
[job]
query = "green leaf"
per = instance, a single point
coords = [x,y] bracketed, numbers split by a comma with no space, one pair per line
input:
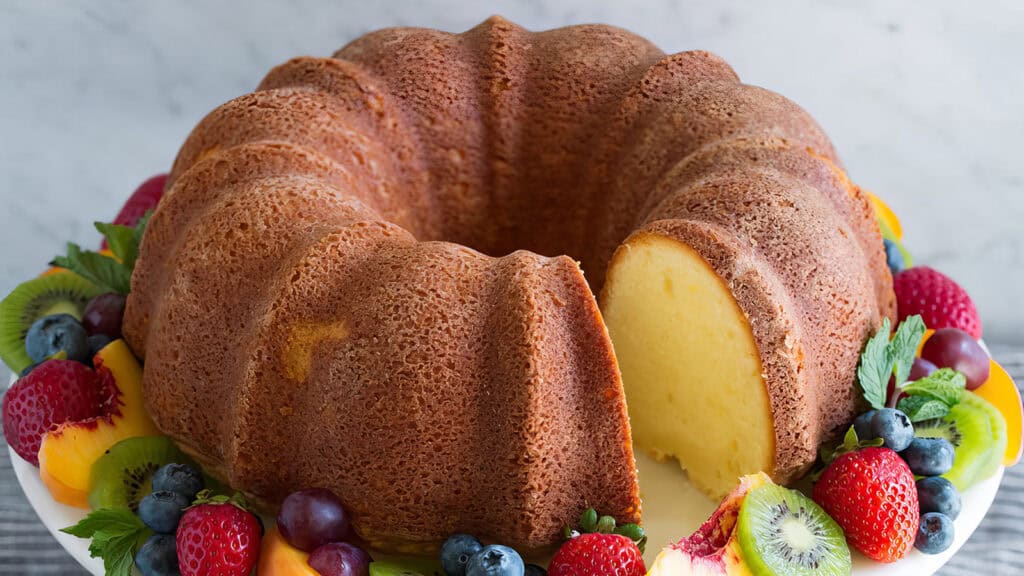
[140,227]
[945,385]
[105,272]
[922,407]
[588,520]
[121,241]
[903,346]
[606,525]
[116,535]
[111,520]
[876,366]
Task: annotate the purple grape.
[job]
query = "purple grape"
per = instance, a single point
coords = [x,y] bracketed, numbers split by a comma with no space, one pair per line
[103,315]
[340,559]
[956,349]
[311,518]
[921,368]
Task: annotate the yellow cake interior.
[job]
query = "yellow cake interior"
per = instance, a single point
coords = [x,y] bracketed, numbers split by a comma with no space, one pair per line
[690,365]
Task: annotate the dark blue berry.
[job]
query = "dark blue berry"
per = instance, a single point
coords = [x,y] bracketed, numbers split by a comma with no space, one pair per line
[893,427]
[534,570]
[495,560]
[97,342]
[862,425]
[158,556]
[456,552]
[180,478]
[936,494]
[894,257]
[935,533]
[52,334]
[929,456]
[162,510]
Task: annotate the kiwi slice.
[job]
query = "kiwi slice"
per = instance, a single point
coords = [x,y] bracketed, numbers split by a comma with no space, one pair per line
[59,293]
[121,477]
[408,567]
[783,532]
[981,431]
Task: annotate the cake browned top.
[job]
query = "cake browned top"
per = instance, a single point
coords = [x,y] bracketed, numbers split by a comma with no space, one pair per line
[317,302]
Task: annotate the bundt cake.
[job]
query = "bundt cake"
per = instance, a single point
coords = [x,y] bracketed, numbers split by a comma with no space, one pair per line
[342,286]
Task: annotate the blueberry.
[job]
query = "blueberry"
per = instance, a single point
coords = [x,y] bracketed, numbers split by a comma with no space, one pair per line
[929,456]
[158,556]
[456,552]
[534,570]
[97,342]
[862,425]
[936,494]
[935,533]
[51,334]
[180,478]
[495,560]
[894,257]
[893,427]
[162,510]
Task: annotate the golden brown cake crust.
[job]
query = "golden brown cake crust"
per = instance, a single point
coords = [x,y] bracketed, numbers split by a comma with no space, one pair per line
[317,305]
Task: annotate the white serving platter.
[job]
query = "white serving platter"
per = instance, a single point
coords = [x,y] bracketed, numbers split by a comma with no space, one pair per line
[673,508]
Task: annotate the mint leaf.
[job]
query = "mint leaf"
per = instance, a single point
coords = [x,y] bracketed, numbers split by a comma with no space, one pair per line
[876,366]
[121,241]
[105,272]
[945,385]
[116,520]
[116,533]
[140,227]
[922,407]
[903,346]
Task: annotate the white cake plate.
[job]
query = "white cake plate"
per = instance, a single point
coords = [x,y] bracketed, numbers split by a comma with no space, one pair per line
[673,508]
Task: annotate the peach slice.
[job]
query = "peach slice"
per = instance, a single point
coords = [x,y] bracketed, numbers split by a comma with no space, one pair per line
[714,548]
[885,214]
[279,558]
[63,493]
[1001,391]
[67,454]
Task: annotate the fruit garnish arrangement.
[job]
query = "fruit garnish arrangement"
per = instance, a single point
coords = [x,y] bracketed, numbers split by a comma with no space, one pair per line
[940,416]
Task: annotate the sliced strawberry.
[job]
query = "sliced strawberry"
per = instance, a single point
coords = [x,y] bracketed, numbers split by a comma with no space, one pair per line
[56,392]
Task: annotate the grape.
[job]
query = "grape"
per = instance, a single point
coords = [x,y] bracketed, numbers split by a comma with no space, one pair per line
[103,315]
[340,559]
[921,368]
[311,518]
[956,349]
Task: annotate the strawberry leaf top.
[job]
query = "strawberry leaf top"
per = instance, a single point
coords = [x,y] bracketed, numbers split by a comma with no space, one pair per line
[111,274]
[591,523]
[116,533]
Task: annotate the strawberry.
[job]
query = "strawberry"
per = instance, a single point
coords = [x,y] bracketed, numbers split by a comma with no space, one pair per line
[596,553]
[871,494]
[218,536]
[940,301]
[56,392]
[144,199]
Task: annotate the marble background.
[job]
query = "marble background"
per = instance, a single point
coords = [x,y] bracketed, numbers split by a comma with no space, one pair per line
[923,100]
